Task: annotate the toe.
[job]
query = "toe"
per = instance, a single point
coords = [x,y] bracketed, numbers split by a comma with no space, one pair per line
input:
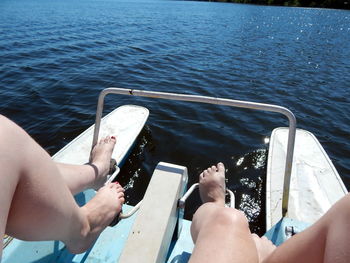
[114,185]
[255,236]
[206,173]
[110,185]
[120,188]
[221,167]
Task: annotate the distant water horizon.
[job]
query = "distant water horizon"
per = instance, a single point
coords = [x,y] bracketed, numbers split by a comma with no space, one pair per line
[56,56]
[290,3]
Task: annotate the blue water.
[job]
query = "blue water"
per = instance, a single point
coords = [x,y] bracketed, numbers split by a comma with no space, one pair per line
[56,56]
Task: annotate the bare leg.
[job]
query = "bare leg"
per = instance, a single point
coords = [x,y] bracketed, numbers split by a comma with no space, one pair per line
[92,175]
[220,234]
[35,202]
[264,247]
[325,241]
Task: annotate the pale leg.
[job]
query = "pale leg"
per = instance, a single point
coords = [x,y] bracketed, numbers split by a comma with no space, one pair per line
[77,177]
[91,175]
[220,234]
[326,241]
[35,202]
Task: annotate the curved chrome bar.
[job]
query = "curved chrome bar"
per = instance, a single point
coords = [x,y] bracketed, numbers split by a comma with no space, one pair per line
[183,199]
[112,176]
[131,212]
[232,198]
[219,101]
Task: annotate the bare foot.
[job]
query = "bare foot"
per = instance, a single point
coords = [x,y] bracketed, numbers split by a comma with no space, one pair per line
[264,247]
[100,160]
[99,211]
[212,184]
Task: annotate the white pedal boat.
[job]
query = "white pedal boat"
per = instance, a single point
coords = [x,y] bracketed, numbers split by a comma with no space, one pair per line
[299,190]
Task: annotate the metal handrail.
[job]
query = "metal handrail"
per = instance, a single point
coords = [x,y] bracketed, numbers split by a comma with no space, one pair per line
[131,212]
[183,199]
[212,100]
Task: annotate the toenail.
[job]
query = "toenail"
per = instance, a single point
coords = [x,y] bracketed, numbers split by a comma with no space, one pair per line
[113,137]
[116,182]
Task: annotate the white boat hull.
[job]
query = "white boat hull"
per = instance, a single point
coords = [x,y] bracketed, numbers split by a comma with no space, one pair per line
[315,183]
[125,123]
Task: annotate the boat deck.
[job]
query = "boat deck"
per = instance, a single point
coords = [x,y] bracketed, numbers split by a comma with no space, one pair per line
[107,248]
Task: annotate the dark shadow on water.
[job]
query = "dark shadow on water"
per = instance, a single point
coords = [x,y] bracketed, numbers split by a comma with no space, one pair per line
[245,177]
[135,173]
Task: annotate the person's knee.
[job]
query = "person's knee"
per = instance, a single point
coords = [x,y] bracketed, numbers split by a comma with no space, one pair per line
[7,138]
[232,217]
[213,217]
[210,213]
[14,138]
[7,127]
[3,122]
[342,208]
